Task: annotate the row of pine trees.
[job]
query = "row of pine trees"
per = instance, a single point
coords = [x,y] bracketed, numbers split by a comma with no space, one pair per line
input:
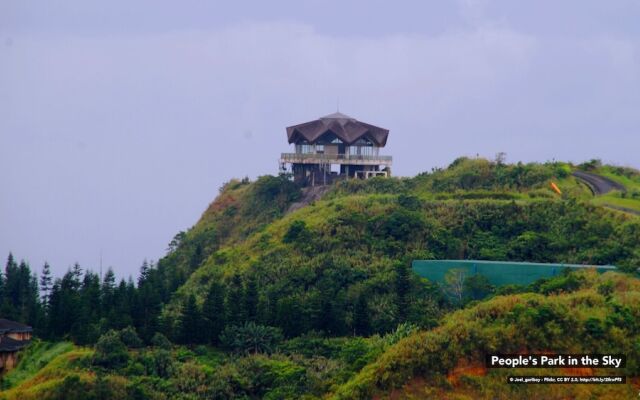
[79,305]
[82,306]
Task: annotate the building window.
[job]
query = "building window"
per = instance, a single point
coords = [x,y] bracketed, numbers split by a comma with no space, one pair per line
[319,148]
[360,150]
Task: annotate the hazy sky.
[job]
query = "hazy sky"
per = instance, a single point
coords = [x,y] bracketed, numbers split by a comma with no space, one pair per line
[119,120]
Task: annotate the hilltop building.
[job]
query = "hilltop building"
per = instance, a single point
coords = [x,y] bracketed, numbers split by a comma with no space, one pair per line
[335,147]
[13,337]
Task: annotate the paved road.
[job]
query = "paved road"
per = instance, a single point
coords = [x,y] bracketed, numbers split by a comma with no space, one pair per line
[601,185]
[597,183]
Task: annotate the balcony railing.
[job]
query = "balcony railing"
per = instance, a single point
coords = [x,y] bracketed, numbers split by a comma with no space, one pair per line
[335,158]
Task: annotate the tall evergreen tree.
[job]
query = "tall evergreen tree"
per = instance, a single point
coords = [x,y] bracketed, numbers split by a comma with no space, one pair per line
[55,326]
[196,257]
[86,329]
[144,272]
[108,290]
[65,304]
[120,317]
[77,275]
[251,298]
[402,288]
[289,317]
[235,307]
[45,284]
[10,308]
[213,313]
[190,326]
[361,319]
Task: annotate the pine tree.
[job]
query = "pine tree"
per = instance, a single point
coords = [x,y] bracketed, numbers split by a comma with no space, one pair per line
[403,287]
[86,330]
[55,328]
[2,285]
[107,294]
[326,314]
[190,331]
[45,284]
[196,257]
[10,307]
[123,300]
[361,319]
[77,275]
[234,306]
[68,307]
[148,300]
[289,317]
[251,298]
[144,272]
[213,313]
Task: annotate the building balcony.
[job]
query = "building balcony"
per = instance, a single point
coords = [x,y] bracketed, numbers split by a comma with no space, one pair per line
[350,159]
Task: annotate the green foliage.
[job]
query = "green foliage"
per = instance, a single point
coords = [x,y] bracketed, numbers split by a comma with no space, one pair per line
[402,331]
[213,313]
[565,323]
[110,351]
[190,322]
[19,298]
[160,341]
[563,283]
[250,338]
[477,287]
[403,288]
[297,233]
[454,282]
[130,338]
[472,174]
[361,319]
[32,359]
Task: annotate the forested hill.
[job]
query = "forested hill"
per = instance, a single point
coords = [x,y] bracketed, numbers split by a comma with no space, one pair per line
[310,269]
[258,301]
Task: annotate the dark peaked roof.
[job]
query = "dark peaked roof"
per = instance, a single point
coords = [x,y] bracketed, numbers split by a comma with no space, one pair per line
[346,128]
[13,326]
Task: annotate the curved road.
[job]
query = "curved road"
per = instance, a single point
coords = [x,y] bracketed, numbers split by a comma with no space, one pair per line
[598,184]
[601,185]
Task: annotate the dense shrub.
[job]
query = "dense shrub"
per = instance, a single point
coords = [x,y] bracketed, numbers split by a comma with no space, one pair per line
[110,351]
[250,338]
[130,337]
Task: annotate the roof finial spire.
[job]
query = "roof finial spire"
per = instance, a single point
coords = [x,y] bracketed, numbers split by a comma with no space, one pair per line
[338,104]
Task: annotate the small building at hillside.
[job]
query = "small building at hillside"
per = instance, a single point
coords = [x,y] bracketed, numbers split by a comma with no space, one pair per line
[335,147]
[13,337]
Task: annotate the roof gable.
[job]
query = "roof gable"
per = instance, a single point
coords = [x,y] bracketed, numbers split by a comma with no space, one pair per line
[346,128]
[7,325]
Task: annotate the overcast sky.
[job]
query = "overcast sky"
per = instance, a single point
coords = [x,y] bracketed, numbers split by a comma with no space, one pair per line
[119,120]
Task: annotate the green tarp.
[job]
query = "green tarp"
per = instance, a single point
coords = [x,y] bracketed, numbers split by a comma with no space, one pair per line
[498,272]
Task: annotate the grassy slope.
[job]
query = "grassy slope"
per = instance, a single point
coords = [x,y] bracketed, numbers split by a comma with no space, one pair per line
[41,384]
[32,359]
[631,181]
[447,362]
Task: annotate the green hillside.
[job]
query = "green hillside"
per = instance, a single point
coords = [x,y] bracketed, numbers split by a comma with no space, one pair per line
[256,301]
[348,245]
[600,316]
